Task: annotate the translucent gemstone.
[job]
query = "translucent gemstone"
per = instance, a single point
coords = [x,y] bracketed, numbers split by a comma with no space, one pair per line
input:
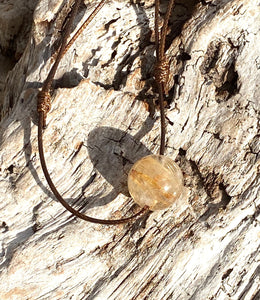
[155,181]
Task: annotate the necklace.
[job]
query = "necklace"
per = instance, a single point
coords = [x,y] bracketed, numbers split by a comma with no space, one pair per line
[155,181]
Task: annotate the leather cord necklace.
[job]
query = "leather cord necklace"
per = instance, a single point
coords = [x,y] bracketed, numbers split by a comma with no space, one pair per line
[141,179]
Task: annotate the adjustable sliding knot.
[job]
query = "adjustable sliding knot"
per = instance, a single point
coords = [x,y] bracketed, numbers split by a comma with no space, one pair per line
[44,104]
[162,69]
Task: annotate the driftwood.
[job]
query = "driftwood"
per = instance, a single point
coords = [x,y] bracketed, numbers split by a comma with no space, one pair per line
[104,117]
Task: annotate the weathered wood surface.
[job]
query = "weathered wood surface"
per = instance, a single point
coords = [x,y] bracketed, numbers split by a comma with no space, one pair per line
[99,125]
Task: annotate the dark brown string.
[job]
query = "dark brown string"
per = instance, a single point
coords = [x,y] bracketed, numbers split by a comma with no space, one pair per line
[44,97]
[84,25]
[162,66]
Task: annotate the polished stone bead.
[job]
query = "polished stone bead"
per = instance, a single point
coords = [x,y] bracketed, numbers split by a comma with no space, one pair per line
[155,181]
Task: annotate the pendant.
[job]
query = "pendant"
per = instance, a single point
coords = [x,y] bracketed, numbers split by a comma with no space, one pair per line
[155,181]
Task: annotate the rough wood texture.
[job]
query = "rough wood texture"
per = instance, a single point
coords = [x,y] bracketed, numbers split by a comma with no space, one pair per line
[99,125]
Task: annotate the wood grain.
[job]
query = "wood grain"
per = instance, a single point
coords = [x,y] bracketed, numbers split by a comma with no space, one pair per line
[104,117]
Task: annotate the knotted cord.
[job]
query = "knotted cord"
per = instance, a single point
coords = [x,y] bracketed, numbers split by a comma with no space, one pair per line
[44,97]
[162,67]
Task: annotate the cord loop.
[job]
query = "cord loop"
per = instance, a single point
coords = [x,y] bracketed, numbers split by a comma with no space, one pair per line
[44,98]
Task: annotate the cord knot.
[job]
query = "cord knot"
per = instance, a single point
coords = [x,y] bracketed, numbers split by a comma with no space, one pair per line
[162,69]
[161,72]
[44,104]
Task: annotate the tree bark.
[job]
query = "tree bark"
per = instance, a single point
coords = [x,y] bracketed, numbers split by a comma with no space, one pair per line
[104,117]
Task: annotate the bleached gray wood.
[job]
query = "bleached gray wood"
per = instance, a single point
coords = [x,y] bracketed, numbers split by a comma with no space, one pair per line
[99,125]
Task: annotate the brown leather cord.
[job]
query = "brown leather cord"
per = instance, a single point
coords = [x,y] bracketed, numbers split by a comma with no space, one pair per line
[162,66]
[84,25]
[44,99]
[59,197]
[44,103]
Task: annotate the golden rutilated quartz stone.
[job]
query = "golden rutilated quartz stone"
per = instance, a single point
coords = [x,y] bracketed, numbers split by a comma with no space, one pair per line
[155,181]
